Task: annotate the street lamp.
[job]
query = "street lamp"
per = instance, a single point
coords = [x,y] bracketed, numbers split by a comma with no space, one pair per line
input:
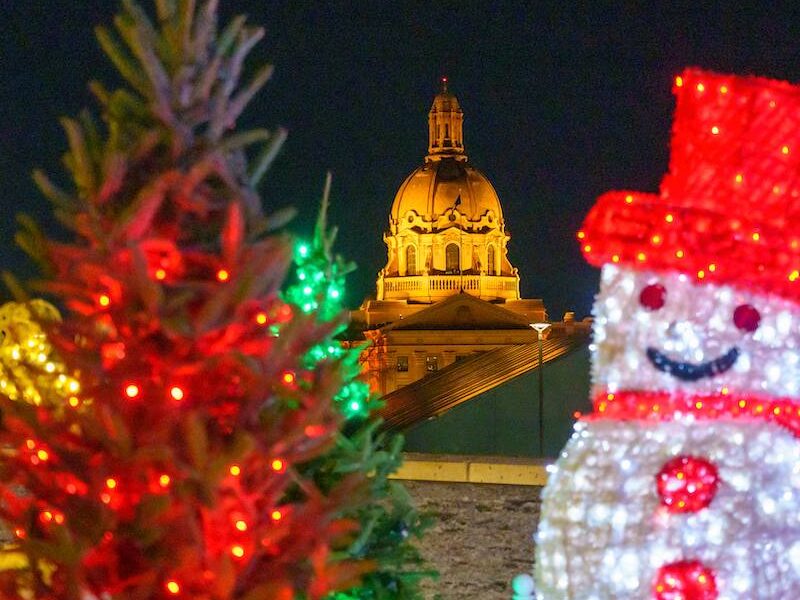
[540,328]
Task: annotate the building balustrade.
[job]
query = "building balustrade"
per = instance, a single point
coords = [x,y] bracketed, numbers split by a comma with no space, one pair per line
[399,288]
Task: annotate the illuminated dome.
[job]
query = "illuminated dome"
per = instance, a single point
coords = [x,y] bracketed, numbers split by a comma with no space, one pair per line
[446,182]
[435,187]
[446,231]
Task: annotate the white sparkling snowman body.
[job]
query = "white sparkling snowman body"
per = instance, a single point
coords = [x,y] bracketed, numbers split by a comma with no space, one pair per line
[667,345]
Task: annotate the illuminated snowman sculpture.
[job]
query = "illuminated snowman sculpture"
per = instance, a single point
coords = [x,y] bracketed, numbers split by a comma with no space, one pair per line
[684,482]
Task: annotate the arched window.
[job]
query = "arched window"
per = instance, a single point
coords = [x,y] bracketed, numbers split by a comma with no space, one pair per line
[452,257]
[411,260]
[491,269]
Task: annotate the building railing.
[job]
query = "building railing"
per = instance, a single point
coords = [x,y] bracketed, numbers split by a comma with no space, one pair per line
[422,286]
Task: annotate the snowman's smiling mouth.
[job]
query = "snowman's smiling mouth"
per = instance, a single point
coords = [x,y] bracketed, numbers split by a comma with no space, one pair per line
[690,371]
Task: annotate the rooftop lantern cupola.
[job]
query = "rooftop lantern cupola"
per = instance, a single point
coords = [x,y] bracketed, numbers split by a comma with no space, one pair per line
[446,230]
[445,126]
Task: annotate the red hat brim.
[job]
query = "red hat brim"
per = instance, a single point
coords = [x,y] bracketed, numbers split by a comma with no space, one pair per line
[646,232]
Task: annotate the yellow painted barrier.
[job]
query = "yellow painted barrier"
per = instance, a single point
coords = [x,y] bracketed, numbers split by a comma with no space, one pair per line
[472,469]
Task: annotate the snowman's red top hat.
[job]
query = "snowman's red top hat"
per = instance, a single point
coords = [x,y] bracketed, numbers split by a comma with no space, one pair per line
[728,211]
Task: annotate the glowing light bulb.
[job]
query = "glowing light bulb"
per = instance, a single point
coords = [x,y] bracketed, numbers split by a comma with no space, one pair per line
[237,551]
[161,274]
[176,393]
[241,525]
[104,300]
[235,470]
[261,318]
[164,480]
[173,587]
[132,390]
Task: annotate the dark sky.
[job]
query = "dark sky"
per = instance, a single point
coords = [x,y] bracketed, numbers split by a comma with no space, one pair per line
[561,103]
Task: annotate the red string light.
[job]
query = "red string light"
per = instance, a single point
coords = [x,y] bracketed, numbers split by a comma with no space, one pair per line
[648,405]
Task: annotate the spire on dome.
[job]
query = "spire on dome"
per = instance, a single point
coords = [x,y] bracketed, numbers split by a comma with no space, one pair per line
[445,126]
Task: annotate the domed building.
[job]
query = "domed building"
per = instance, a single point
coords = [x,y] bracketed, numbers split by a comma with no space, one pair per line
[446,228]
[447,324]
[446,231]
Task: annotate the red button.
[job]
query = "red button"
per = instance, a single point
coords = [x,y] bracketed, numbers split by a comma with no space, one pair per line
[685,580]
[687,484]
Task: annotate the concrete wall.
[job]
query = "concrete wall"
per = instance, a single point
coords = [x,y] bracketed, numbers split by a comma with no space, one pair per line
[504,420]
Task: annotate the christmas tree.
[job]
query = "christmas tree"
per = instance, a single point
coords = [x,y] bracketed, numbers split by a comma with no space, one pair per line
[187,431]
[683,483]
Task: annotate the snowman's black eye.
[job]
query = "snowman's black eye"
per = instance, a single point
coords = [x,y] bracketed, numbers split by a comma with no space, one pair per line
[653,296]
[746,318]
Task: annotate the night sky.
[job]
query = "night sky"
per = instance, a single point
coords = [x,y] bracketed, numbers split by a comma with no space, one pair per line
[561,104]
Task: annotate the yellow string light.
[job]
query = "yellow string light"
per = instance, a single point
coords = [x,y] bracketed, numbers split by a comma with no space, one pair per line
[30,369]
